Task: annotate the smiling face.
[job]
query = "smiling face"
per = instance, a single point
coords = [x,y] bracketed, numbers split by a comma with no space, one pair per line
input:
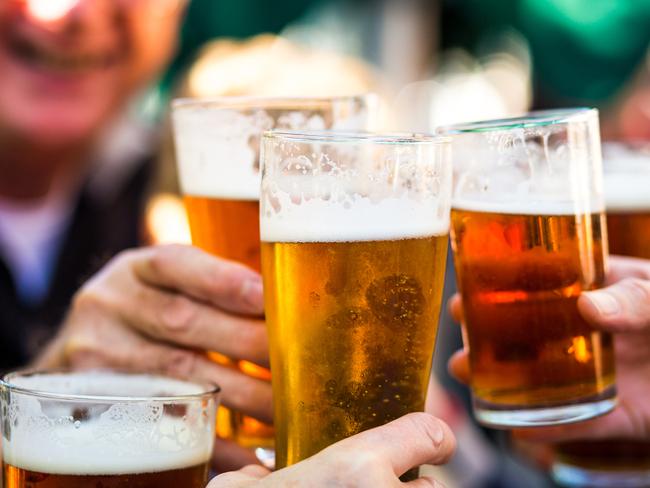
[67,66]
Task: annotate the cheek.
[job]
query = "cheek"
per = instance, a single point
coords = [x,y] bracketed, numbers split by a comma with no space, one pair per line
[48,110]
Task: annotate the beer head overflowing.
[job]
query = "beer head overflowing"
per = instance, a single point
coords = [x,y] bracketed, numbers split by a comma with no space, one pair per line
[217,141]
[105,423]
[548,161]
[325,187]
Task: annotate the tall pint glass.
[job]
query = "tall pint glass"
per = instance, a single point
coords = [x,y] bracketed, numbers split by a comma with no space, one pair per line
[217,147]
[620,463]
[354,239]
[528,234]
[105,429]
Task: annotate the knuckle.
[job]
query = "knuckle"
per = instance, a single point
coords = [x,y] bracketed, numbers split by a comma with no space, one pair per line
[427,425]
[177,314]
[638,288]
[180,363]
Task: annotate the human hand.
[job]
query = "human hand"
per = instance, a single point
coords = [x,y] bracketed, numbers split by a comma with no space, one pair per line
[374,458]
[158,310]
[622,308]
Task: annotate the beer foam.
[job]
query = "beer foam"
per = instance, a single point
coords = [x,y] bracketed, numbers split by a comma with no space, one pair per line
[91,450]
[116,437]
[216,154]
[531,207]
[625,192]
[317,220]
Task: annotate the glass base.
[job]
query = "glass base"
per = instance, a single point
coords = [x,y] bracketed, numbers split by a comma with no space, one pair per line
[266,456]
[575,477]
[508,416]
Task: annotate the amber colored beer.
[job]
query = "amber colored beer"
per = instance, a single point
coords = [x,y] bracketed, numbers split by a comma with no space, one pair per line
[226,228]
[520,276]
[629,235]
[231,229]
[629,232]
[352,328]
[191,477]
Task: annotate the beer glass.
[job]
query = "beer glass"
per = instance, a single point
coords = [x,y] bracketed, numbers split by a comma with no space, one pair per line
[621,463]
[354,240]
[108,429]
[528,234]
[217,148]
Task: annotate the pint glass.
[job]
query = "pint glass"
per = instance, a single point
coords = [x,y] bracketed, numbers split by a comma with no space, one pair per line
[620,463]
[354,239]
[217,147]
[528,234]
[105,429]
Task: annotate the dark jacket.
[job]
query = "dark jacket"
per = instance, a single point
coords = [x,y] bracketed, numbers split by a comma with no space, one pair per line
[99,229]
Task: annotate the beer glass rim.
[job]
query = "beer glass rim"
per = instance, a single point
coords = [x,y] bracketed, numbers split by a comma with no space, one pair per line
[257,101]
[538,118]
[208,389]
[357,137]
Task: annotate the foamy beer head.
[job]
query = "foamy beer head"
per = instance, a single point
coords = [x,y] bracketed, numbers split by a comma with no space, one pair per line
[81,428]
[217,141]
[627,177]
[547,160]
[328,187]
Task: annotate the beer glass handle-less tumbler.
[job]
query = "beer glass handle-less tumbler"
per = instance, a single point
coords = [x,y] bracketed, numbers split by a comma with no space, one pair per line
[105,429]
[354,238]
[528,233]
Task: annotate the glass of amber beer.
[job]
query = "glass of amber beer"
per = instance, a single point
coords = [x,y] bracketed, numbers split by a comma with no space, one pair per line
[108,429]
[528,234]
[620,463]
[217,148]
[354,239]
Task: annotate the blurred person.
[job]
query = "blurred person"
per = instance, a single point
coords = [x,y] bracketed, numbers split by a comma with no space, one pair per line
[73,177]
[622,308]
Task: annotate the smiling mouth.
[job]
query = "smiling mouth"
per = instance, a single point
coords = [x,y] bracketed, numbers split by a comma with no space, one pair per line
[41,57]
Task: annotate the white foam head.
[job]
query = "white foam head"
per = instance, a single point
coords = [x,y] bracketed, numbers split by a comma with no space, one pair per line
[627,178]
[114,437]
[217,142]
[318,220]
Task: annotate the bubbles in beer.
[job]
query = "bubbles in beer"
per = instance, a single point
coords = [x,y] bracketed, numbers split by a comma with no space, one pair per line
[397,300]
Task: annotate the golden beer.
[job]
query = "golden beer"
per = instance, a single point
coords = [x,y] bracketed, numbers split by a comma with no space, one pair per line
[192,477]
[520,276]
[227,228]
[354,243]
[629,232]
[218,160]
[352,327]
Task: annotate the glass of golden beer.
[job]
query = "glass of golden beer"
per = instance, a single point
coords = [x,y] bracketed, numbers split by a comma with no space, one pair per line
[354,239]
[528,234]
[217,148]
[105,429]
[620,463]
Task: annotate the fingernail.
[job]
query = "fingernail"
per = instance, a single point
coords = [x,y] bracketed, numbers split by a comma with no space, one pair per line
[253,294]
[604,302]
